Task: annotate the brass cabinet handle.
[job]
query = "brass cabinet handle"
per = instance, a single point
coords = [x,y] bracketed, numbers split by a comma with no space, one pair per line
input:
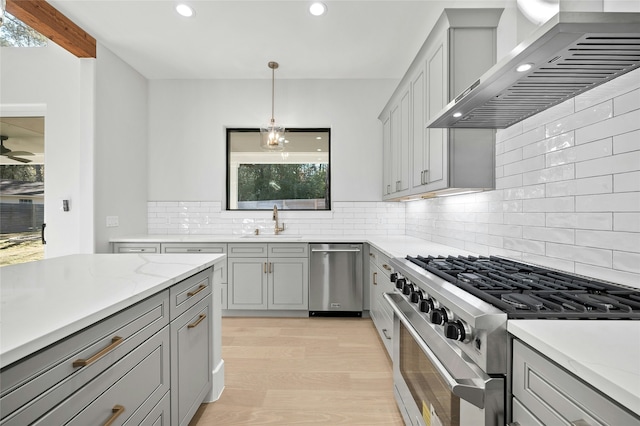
[384,331]
[194,250]
[116,410]
[385,266]
[198,290]
[198,321]
[375,278]
[270,267]
[115,341]
[265,267]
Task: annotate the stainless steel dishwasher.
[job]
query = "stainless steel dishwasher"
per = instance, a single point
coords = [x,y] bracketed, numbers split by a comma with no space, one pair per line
[335,280]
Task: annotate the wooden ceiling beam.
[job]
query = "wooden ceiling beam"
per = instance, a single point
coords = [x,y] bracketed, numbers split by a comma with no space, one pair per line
[49,22]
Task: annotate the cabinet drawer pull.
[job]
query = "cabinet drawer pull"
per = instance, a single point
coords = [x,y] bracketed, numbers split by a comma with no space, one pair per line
[384,331]
[194,250]
[198,290]
[270,267]
[198,321]
[375,278]
[115,341]
[116,411]
[265,267]
[385,266]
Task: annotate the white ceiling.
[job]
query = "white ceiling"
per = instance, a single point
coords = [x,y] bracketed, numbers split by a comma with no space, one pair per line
[236,39]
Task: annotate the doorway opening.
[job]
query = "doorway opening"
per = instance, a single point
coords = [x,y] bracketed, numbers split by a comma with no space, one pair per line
[21,189]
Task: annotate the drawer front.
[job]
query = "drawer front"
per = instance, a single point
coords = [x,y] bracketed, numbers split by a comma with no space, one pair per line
[50,376]
[160,415]
[247,250]
[382,261]
[194,248]
[192,361]
[136,248]
[555,396]
[288,250]
[190,291]
[131,387]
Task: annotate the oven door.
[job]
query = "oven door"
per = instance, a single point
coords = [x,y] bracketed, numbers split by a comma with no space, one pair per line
[435,384]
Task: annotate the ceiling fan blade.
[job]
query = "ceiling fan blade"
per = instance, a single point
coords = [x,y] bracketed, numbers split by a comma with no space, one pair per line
[22,160]
[21,153]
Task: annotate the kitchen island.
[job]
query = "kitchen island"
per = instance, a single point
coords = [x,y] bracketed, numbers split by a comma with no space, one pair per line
[74,325]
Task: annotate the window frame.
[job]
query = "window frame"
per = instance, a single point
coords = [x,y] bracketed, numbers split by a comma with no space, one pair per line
[230,130]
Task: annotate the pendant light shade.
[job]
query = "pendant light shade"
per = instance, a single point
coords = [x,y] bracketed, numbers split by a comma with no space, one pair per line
[272,135]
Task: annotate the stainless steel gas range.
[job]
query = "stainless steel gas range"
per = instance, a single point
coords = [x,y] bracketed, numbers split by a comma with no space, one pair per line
[450,318]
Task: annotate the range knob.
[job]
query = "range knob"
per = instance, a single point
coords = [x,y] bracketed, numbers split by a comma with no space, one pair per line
[457,330]
[439,316]
[416,296]
[393,277]
[400,282]
[426,305]
[407,289]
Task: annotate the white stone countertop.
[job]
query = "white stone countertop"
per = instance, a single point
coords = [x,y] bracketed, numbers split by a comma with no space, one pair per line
[605,354]
[392,246]
[44,301]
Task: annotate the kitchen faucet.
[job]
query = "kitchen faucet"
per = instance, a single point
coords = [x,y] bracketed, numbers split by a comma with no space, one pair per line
[275,217]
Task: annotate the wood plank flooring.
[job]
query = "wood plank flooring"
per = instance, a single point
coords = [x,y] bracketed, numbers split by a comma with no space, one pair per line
[311,371]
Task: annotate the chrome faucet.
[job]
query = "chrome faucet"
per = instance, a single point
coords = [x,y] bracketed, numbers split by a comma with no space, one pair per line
[277,229]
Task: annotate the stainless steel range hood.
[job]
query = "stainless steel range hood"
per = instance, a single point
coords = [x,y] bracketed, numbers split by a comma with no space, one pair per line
[571,53]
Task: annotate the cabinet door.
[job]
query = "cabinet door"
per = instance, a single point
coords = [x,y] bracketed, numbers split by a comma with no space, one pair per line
[436,139]
[247,287]
[386,156]
[288,284]
[191,361]
[400,128]
[418,91]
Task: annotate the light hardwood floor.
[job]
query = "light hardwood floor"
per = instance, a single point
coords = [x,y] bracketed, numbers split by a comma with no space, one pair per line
[287,371]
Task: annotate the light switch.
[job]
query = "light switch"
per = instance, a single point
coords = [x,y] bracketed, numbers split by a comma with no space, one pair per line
[112,221]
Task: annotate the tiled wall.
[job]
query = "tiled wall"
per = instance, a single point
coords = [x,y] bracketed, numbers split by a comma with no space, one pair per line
[208,218]
[567,190]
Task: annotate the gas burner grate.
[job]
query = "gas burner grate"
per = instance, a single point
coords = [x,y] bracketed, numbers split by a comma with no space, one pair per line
[527,291]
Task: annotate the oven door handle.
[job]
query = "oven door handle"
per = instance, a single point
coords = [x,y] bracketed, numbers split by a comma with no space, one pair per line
[471,390]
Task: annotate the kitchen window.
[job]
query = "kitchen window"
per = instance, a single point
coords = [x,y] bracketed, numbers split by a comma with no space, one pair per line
[296,178]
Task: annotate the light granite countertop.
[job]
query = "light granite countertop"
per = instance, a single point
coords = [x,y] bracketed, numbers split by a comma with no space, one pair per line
[44,301]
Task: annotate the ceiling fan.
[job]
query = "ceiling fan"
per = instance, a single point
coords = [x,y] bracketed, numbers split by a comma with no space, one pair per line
[12,154]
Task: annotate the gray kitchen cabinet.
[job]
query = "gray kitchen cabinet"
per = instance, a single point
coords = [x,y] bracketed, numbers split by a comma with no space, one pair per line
[461,46]
[136,247]
[544,393]
[271,276]
[125,369]
[397,135]
[386,154]
[379,283]
[204,247]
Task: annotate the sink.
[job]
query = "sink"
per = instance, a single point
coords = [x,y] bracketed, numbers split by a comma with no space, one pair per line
[271,237]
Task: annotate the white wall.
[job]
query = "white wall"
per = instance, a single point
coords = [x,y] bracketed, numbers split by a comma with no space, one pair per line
[49,81]
[567,192]
[120,166]
[187,120]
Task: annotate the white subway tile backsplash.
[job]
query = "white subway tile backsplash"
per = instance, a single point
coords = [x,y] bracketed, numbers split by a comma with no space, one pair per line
[534,135]
[618,202]
[627,182]
[594,256]
[584,152]
[524,245]
[626,221]
[552,144]
[608,274]
[625,261]
[560,111]
[554,235]
[611,90]
[623,241]
[533,163]
[626,142]
[552,174]
[614,126]
[580,119]
[598,221]
[530,219]
[557,204]
[621,163]
[627,102]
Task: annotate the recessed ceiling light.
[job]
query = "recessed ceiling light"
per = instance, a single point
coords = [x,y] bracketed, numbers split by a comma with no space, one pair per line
[524,67]
[185,10]
[318,9]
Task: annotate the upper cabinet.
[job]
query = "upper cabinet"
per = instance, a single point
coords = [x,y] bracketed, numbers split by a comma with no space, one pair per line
[418,161]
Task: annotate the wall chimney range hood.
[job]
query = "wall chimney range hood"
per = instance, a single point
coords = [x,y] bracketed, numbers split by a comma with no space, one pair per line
[571,53]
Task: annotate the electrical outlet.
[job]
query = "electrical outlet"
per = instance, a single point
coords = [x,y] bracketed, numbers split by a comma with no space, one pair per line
[112,221]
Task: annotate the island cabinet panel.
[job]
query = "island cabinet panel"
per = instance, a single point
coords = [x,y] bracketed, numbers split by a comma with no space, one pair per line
[190,291]
[160,415]
[130,388]
[31,387]
[192,361]
[544,393]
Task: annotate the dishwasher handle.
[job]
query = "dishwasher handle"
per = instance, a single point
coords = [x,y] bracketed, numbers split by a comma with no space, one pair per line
[354,250]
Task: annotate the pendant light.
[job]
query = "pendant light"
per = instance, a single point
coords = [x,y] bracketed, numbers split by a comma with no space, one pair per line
[272,135]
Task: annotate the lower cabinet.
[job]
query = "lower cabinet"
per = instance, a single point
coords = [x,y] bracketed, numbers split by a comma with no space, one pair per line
[379,283]
[150,364]
[268,276]
[546,394]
